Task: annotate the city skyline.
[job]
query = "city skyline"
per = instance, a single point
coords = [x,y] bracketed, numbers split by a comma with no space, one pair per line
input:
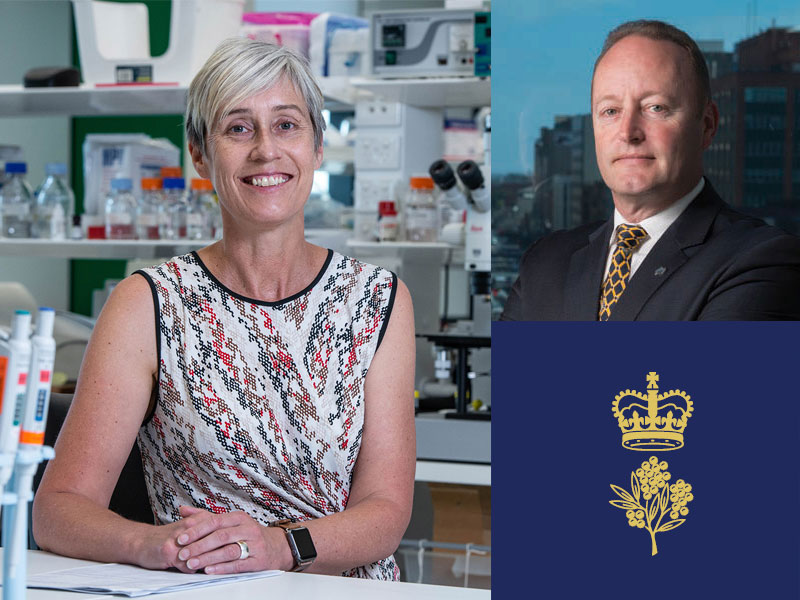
[530,90]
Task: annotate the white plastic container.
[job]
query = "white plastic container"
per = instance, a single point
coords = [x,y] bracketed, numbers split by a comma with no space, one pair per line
[288,29]
[338,45]
[43,356]
[15,358]
[105,40]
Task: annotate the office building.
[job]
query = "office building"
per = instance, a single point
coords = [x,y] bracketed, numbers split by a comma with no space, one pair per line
[754,161]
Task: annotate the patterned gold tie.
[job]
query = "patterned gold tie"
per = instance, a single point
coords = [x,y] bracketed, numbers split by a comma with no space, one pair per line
[629,237]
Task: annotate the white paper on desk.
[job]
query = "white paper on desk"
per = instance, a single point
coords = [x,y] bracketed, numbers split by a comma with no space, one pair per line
[130,581]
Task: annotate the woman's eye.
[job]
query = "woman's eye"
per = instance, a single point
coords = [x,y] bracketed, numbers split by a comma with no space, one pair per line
[238,129]
[657,108]
[286,125]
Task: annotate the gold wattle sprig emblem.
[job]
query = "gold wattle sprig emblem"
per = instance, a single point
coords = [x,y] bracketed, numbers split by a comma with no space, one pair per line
[652,498]
[652,421]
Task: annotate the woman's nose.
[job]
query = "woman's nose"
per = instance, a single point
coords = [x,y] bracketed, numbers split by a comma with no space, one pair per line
[264,148]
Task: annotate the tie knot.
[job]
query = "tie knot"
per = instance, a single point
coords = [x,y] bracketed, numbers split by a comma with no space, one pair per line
[630,236]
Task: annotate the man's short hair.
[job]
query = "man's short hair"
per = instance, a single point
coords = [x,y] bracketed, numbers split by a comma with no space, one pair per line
[660,31]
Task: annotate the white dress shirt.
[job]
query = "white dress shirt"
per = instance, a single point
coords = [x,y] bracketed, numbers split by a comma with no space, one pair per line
[655,227]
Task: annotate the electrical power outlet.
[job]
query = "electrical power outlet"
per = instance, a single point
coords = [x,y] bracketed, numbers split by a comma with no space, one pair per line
[372,113]
[377,151]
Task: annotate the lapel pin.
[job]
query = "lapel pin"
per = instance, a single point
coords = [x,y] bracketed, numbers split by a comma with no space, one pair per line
[660,271]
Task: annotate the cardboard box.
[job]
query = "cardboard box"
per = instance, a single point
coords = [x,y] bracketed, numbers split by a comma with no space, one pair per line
[462,514]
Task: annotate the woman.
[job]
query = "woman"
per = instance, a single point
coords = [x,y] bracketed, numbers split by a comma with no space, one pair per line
[277,382]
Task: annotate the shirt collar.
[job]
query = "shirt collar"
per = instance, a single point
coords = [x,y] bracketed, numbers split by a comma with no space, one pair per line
[656,225]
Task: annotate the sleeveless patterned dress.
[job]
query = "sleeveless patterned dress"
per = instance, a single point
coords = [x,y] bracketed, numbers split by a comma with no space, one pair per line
[260,405]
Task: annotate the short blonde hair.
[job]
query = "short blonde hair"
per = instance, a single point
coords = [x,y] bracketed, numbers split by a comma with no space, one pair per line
[238,69]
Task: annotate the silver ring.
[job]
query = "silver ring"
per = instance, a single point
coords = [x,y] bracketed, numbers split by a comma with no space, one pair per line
[244,549]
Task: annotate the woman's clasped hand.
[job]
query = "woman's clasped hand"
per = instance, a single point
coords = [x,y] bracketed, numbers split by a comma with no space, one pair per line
[207,541]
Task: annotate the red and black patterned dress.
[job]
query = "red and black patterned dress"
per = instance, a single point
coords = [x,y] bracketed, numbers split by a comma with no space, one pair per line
[261,404]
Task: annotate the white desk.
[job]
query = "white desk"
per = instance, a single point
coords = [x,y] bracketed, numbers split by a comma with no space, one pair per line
[298,586]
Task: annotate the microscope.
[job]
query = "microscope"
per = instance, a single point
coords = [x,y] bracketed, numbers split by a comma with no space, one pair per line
[474,197]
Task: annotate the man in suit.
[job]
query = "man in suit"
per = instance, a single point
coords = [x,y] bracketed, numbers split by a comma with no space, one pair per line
[673,249]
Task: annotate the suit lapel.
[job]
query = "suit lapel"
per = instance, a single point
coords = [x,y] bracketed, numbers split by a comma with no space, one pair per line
[585,276]
[668,255]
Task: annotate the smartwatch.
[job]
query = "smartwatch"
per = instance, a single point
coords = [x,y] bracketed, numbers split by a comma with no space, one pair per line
[300,542]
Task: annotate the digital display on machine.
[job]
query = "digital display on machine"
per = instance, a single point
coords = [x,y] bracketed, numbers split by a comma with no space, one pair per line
[394,36]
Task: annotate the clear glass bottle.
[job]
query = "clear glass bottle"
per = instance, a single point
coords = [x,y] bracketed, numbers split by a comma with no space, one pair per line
[120,215]
[16,202]
[387,221]
[174,209]
[201,207]
[54,205]
[421,213]
[147,215]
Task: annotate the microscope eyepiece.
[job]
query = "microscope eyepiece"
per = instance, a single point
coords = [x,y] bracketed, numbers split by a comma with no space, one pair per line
[470,174]
[442,174]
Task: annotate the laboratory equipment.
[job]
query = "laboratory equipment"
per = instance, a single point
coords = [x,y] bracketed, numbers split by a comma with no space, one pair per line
[454,347]
[114,41]
[483,44]
[54,205]
[109,156]
[174,209]
[148,209]
[423,43]
[120,214]
[288,29]
[29,368]
[387,221]
[202,209]
[16,202]
[420,211]
[15,356]
[338,45]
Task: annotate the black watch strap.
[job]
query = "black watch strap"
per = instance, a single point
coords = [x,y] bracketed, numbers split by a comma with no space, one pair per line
[300,543]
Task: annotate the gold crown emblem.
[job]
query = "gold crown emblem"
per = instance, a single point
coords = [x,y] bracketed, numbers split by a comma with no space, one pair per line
[660,424]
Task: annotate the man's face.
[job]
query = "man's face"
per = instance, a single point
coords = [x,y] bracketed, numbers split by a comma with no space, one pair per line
[649,132]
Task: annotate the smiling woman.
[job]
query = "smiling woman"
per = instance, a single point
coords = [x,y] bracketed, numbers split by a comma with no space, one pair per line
[269,381]
[261,158]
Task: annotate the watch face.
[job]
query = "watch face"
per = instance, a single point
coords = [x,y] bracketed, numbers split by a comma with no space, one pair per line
[303,543]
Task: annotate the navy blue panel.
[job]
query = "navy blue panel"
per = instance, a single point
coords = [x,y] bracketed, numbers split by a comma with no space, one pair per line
[557,447]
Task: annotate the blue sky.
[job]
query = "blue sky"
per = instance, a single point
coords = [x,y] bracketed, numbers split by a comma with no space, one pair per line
[543,52]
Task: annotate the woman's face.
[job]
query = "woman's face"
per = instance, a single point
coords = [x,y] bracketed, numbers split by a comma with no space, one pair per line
[261,158]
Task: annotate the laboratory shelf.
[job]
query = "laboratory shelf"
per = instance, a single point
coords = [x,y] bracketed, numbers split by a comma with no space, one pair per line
[414,252]
[88,100]
[399,245]
[112,249]
[431,92]
[116,249]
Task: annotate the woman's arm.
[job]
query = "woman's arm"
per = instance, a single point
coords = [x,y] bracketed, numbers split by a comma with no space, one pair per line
[70,511]
[379,506]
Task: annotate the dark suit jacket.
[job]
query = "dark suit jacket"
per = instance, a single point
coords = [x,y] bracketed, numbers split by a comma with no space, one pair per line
[713,263]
